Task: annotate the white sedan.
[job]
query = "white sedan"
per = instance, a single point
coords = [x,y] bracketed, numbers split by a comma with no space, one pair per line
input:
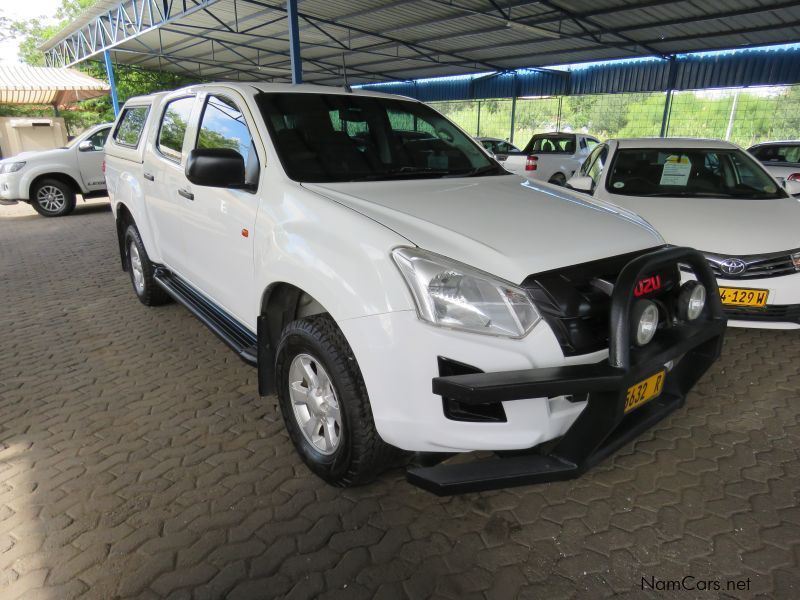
[713,196]
[781,159]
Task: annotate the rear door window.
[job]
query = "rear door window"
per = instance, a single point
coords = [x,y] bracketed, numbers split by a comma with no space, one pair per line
[130,126]
[174,121]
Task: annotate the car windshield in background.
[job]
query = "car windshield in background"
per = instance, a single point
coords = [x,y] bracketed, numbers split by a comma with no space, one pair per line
[346,137]
[689,172]
[551,144]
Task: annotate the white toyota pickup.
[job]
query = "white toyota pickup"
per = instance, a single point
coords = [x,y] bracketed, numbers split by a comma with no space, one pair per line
[49,180]
[399,290]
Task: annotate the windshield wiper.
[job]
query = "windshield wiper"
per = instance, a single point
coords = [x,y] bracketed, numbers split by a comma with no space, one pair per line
[404,173]
[487,170]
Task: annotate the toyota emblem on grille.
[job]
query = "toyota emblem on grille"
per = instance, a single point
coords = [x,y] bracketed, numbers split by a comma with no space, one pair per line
[733,266]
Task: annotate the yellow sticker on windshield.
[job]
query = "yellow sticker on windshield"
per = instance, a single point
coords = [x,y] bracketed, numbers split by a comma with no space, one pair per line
[676,170]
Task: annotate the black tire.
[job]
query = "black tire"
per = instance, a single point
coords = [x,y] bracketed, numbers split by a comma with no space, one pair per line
[558,179]
[361,455]
[149,292]
[53,198]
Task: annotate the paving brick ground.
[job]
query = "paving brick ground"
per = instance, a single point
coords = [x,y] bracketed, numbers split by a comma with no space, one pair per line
[136,460]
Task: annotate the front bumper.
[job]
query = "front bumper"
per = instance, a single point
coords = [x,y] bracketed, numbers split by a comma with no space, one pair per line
[685,352]
[9,188]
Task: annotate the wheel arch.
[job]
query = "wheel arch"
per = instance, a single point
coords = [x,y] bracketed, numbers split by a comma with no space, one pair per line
[124,217]
[58,176]
[281,303]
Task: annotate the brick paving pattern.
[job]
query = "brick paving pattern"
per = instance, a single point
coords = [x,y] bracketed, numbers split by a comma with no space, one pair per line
[137,460]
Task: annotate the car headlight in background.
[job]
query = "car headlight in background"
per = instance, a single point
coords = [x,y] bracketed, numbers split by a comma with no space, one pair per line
[12,167]
[691,300]
[450,294]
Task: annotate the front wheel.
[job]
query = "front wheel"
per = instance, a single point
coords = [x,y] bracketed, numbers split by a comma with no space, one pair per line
[53,198]
[325,406]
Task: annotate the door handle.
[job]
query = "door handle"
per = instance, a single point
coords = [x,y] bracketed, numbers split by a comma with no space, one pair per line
[186,194]
[149,176]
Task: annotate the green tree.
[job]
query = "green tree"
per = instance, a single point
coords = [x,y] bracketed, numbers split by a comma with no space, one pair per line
[131,81]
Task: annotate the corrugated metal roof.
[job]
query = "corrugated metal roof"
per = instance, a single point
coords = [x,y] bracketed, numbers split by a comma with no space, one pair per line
[769,66]
[21,84]
[378,40]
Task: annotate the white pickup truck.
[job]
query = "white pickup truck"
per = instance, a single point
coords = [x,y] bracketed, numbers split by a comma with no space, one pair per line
[398,289]
[551,157]
[49,180]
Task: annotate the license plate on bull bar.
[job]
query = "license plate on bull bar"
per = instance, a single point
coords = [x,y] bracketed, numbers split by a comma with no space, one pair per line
[644,391]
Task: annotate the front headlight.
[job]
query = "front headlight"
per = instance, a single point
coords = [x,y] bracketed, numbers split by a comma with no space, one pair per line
[12,167]
[450,294]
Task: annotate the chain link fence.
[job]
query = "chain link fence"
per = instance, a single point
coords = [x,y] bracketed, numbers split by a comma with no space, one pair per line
[744,116]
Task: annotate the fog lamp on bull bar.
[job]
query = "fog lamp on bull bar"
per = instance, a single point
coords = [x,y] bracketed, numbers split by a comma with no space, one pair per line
[691,300]
[644,318]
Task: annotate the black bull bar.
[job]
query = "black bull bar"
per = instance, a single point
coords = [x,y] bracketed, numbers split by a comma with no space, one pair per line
[686,351]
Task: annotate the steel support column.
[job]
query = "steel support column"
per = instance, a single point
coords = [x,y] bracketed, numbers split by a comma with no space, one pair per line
[111,81]
[294,41]
[671,79]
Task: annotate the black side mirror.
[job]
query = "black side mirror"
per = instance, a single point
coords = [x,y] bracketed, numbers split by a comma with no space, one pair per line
[215,167]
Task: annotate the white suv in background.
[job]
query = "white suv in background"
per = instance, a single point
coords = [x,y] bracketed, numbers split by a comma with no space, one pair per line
[398,289]
[49,180]
[714,196]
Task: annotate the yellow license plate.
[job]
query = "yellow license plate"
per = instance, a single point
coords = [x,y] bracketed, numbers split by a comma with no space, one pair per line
[743,297]
[644,391]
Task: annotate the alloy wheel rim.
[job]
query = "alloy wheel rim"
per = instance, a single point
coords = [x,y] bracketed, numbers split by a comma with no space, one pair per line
[314,404]
[51,198]
[136,268]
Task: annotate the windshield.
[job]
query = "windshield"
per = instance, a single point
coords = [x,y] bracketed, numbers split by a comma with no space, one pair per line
[689,172]
[345,137]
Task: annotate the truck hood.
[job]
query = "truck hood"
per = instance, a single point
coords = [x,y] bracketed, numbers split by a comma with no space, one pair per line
[504,225]
[722,225]
[31,154]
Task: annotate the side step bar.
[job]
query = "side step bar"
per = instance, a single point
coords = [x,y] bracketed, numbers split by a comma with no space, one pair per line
[228,329]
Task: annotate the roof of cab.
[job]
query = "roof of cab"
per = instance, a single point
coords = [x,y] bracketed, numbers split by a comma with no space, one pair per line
[147,99]
[247,88]
[674,142]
